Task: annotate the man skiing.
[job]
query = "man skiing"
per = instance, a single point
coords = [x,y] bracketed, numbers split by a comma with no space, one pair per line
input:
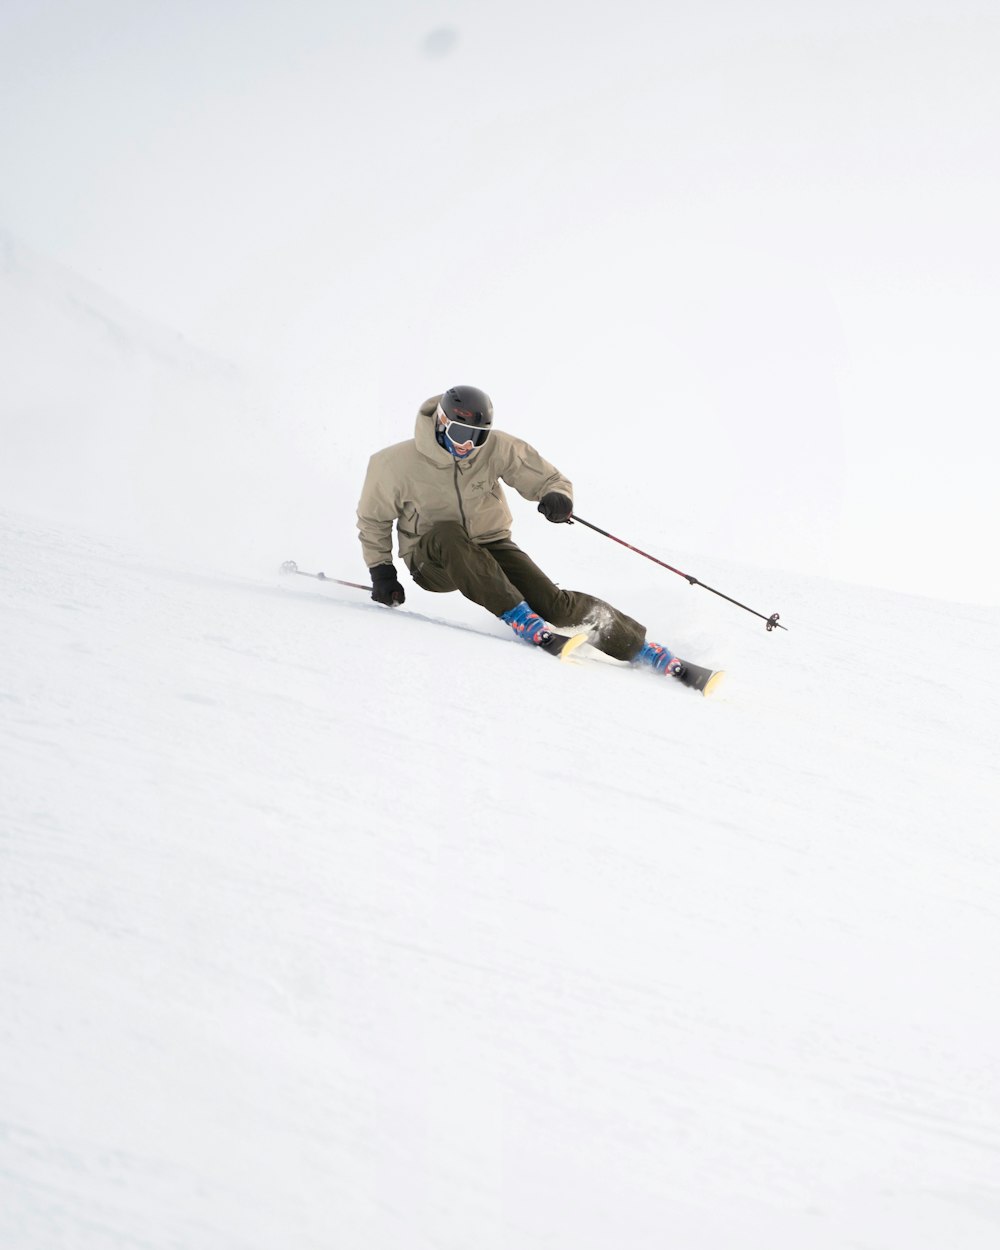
[442,489]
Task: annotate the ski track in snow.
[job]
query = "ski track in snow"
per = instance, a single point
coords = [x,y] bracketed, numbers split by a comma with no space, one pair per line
[322,925]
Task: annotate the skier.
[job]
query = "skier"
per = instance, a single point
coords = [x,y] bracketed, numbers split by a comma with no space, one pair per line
[442,489]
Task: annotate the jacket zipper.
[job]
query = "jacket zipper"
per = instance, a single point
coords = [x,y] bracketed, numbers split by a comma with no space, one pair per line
[465,523]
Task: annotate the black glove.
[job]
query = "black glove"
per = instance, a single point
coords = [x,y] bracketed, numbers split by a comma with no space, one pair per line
[556,507]
[385,586]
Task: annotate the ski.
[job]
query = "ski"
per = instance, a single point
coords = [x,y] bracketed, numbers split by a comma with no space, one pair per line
[705,680]
[562,645]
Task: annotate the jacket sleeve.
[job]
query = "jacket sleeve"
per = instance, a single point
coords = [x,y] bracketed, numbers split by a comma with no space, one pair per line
[376,512]
[530,474]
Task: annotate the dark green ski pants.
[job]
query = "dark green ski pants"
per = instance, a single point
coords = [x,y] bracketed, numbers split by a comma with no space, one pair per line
[499,575]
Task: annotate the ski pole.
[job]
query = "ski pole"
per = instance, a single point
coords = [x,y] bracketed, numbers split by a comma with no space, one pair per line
[772,620]
[291,567]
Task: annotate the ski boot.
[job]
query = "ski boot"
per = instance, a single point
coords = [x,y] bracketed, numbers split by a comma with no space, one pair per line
[530,626]
[661,660]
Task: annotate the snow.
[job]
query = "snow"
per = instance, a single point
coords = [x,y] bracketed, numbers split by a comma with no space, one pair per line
[324,924]
[328,925]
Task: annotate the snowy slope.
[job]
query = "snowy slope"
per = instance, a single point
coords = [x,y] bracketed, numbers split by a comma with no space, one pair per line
[109,419]
[328,926]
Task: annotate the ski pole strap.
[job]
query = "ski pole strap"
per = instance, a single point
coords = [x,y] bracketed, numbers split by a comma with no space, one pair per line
[771,621]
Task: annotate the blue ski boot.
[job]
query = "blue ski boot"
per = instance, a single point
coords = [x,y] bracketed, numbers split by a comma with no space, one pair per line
[658,658]
[662,660]
[530,626]
[525,623]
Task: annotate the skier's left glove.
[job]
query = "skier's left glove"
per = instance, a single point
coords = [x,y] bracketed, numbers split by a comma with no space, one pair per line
[556,507]
[385,586]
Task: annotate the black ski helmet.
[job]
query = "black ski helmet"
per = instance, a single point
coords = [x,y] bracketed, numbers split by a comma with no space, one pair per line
[469,405]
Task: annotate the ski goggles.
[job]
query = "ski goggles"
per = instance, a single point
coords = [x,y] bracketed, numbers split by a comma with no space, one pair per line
[461,434]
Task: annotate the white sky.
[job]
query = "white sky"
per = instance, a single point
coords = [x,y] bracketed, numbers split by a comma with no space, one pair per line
[745,253]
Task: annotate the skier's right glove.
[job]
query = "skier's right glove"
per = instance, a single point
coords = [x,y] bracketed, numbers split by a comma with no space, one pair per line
[385,586]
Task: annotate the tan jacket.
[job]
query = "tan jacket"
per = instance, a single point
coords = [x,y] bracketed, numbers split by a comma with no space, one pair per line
[418,484]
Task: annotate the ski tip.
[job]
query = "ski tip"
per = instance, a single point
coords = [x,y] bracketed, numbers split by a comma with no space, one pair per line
[714,682]
[571,644]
